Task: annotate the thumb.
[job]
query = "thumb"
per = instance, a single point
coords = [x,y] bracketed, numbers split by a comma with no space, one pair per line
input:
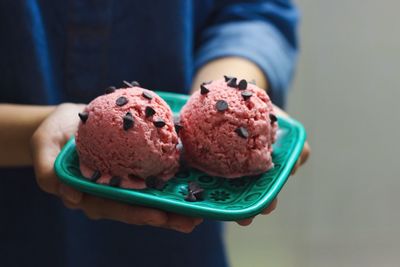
[69,194]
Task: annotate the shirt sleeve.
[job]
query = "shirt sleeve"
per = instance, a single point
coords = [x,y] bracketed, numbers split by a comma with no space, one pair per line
[264,32]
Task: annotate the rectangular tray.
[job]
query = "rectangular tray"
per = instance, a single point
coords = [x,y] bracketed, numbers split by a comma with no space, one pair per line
[224,199]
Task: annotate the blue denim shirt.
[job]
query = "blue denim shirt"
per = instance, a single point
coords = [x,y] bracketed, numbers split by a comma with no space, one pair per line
[70,50]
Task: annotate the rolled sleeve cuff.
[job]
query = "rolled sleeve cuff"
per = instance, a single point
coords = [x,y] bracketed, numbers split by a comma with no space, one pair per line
[258,42]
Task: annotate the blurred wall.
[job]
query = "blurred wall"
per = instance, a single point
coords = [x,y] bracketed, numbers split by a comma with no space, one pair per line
[343,207]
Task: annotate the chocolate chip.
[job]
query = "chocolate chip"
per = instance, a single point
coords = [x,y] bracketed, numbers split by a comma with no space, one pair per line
[147,95]
[110,89]
[203,90]
[199,194]
[232,83]
[115,181]
[121,101]
[227,78]
[273,118]
[246,95]
[221,105]
[159,123]
[196,190]
[205,83]
[83,116]
[242,132]
[193,186]
[95,176]
[127,83]
[132,83]
[242,85]
[190,197]
[149,111]
[135,83]
[178,127]
[128,121]
[154,182]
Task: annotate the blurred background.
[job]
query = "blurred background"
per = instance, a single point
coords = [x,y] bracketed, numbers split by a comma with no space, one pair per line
[343,207]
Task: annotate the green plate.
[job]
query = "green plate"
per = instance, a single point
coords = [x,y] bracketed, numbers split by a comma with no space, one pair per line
[224,199]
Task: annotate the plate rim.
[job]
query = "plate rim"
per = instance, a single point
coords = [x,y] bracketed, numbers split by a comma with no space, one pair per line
[135,196]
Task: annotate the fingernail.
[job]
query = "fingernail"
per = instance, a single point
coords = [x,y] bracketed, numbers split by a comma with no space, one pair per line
[70,194]
[178,228]
[150,223]
[185,230]
[154,223]
[198,221]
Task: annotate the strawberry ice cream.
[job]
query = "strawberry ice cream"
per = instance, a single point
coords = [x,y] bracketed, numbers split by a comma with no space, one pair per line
[126,138]
[228,128]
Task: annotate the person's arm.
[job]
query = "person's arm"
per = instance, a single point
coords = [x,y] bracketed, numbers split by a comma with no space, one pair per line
[263,32]
[17,124]
[34,135]
[253,40]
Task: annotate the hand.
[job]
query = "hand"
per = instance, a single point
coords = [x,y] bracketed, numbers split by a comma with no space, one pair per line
[302,159]
[47,142]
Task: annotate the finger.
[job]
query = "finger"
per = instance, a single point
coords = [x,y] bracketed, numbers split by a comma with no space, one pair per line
[99,208]
[271,207]
[172,221]
[182,223]
[305,154]
[296,166]
[245,222]
[70,194]
[198,221]
[70,205]
[44,155]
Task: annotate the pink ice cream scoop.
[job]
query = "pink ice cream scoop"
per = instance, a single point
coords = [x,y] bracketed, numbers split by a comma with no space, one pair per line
[228,128]
[127,138]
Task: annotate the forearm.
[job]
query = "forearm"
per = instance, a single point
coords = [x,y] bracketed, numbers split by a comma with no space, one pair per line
[17,124]
[231,66]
